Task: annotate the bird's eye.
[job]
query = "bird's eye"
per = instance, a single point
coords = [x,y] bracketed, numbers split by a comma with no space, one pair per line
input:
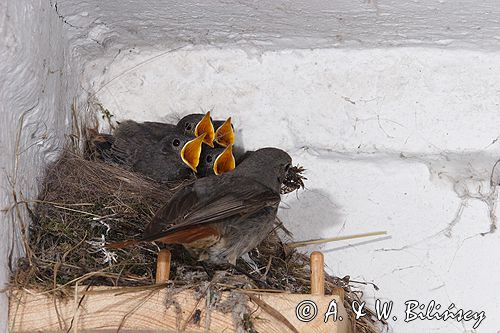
[209,158]
[176,142]
[287,167]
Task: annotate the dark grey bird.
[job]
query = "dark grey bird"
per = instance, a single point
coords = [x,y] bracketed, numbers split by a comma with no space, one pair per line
[150,130]
[137,135]
[219,219]
[194,125]
[175,157]
[157,150]
[216,161]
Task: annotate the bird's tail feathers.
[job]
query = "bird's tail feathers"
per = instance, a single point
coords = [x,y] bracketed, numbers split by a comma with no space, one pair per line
[121,245]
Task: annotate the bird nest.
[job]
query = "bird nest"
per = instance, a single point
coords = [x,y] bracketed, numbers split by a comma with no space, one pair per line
[84,203]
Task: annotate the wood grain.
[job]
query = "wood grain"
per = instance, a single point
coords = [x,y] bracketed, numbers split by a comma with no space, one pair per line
[317,273]
[106,309]
[163,266]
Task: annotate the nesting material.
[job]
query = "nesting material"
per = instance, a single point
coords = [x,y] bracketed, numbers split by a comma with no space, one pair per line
[84,204]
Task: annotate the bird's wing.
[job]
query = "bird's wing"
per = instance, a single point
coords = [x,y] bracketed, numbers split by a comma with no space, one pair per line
[168,214]
[157,130]
[238,197]
[121,152]
[129,150]
[145,132]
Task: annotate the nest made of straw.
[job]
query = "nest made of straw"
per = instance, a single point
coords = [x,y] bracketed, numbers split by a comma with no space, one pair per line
[85,203]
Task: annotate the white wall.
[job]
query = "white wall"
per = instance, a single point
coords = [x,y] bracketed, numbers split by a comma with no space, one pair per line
[36,89]
[279,24]
[390,105]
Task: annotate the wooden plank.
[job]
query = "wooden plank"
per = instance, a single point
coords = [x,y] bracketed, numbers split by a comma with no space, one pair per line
[287,304]
[105,309]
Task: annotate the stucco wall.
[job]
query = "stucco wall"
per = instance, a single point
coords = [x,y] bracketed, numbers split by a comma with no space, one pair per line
[36,88]
[282,24]
[392,106]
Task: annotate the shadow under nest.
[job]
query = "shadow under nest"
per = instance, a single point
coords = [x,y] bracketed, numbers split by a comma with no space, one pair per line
[85,203]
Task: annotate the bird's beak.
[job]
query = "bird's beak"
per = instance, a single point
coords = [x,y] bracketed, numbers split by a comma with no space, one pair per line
[225,161]
[205,126]
[225,134]
[191,151]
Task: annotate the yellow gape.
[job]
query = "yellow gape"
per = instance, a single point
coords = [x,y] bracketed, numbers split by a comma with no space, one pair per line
[191,151]
[205,126]
[225,161]
[224,135]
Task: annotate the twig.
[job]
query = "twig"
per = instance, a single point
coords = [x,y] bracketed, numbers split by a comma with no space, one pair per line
[134,309]
[273,312]
[294,245]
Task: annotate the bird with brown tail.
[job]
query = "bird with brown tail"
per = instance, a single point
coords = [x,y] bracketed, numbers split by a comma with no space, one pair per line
[218,219]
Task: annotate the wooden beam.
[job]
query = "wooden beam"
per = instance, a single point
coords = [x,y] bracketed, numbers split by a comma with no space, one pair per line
[106,309]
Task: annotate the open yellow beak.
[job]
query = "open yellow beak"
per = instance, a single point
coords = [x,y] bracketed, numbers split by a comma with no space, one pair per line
[191,151]
[224,135]
[205,126]
[225,161]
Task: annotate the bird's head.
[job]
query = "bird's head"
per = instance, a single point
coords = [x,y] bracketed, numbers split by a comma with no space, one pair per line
[216,161]
[196,124]
[183,146]
[268,166]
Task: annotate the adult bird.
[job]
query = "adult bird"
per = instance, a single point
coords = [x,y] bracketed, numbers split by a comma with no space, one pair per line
[219,219]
